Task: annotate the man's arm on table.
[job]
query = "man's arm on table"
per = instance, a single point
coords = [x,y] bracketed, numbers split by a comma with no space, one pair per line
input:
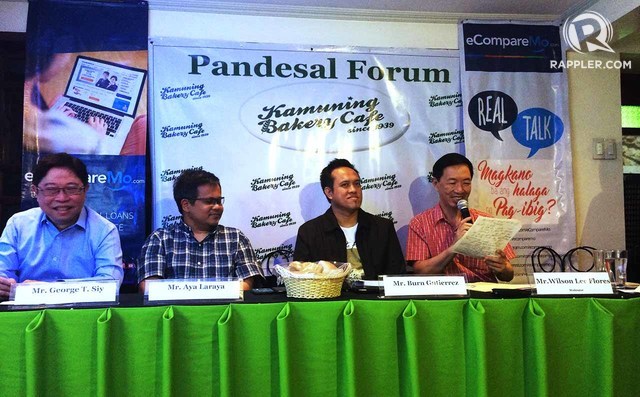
[152,260]
[108,258]
[141,284]
[8,260]
[435,264]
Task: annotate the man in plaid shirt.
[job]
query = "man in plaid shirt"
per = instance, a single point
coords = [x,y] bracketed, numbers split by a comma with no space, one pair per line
[198,246]
[433,232]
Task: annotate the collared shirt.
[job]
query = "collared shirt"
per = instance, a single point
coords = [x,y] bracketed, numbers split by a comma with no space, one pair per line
[32,248]
[430,234]
[174,252]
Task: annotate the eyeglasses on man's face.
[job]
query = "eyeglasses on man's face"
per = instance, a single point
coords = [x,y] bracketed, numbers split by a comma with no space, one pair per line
[51,191]
[210,200]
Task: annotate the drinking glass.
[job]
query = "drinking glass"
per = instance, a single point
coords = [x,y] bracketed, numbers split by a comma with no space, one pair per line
[603,262]
[620,267]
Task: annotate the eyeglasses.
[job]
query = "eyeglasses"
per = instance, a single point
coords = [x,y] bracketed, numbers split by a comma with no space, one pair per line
[211,200]
[54,191]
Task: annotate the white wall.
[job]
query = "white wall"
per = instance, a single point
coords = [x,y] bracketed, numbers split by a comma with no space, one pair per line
[302,30]
[594,97]
[594,100]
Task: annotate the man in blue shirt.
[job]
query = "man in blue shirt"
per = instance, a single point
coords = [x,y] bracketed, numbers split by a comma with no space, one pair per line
[62,238]
[198,246]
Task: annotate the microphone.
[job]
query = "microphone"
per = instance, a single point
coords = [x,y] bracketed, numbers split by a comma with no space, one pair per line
[463,206]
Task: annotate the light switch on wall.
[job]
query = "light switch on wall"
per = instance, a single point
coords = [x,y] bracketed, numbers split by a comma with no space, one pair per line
[604,149]
[610,152]
[598,148]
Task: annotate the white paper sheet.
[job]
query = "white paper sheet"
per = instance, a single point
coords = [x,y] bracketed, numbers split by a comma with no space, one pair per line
[486,236]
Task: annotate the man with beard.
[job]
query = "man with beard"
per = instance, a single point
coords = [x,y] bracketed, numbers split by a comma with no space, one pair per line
[346,233]
[198,246]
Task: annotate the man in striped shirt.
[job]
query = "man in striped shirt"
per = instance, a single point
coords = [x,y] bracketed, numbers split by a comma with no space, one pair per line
[433,232]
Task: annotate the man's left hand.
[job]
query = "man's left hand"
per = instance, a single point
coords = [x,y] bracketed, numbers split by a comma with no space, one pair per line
[500,265]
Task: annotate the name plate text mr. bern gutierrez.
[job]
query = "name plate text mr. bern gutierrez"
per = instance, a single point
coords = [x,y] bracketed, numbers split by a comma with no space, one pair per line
[424,285]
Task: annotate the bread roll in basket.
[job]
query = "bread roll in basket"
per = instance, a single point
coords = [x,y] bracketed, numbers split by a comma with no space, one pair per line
[313,280]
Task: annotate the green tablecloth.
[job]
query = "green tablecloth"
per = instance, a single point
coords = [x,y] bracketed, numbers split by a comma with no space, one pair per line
[469,347]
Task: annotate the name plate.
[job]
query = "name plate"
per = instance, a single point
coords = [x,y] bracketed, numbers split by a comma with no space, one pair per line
[573,283]
[424,285]
[55,293]
[177,290]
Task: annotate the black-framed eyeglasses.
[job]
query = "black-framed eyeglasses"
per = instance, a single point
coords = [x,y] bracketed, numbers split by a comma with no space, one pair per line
[210,200]
[54,191]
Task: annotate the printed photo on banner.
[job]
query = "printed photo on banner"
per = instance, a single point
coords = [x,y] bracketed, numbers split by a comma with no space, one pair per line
[87,103]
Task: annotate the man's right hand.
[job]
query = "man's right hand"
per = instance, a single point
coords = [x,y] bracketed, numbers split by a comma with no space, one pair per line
[5,287]
[461,228]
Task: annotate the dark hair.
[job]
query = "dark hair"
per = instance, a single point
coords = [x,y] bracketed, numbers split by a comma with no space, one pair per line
[326,180]
[448,160]
[187,183]
[113,77]
[60,160]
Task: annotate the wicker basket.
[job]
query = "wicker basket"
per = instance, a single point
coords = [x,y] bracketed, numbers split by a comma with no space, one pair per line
[311,285]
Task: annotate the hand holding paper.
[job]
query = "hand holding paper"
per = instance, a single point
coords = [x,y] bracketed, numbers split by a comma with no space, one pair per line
[486,236]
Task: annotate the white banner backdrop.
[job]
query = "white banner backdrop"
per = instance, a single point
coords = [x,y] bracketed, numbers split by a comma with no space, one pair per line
[516,122]
[267,118]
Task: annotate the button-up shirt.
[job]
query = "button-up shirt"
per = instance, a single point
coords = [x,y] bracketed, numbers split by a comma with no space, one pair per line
[32,248]
[430,234]
[174,252]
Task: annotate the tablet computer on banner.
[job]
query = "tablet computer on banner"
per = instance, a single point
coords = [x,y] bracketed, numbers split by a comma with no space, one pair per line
[107,90]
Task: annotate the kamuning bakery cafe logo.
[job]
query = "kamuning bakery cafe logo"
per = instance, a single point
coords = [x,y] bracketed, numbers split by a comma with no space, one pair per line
[283,182]
[193,91]
[385,182]
[169,220]
[170,175]
[280,219]
[325,118]
[446,100]
[261,252]
[388,215]
[193,130]
[456,136]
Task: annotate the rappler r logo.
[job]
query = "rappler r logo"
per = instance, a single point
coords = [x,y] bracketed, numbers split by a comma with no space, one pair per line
[579,32]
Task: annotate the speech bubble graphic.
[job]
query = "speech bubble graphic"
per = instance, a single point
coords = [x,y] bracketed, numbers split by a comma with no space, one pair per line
[492,111]
[537,128]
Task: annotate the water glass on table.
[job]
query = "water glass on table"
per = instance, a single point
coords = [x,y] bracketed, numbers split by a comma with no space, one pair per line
[620,267]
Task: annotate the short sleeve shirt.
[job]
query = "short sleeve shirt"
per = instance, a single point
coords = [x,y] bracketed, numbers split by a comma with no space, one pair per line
[430,234]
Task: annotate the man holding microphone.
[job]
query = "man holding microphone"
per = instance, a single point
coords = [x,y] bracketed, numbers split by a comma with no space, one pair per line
[433,232]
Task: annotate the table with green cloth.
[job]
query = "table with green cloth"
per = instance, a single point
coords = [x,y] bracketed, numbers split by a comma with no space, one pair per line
[358,347]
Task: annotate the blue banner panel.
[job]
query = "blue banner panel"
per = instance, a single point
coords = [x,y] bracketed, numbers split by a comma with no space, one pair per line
[511,48]
[86,84]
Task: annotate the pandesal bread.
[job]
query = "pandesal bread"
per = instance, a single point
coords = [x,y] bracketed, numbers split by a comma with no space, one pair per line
[327,267]
[305,267]
[320,269]
[295,266]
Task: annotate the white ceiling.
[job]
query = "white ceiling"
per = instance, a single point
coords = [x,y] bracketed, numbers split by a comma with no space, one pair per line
[393,10]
